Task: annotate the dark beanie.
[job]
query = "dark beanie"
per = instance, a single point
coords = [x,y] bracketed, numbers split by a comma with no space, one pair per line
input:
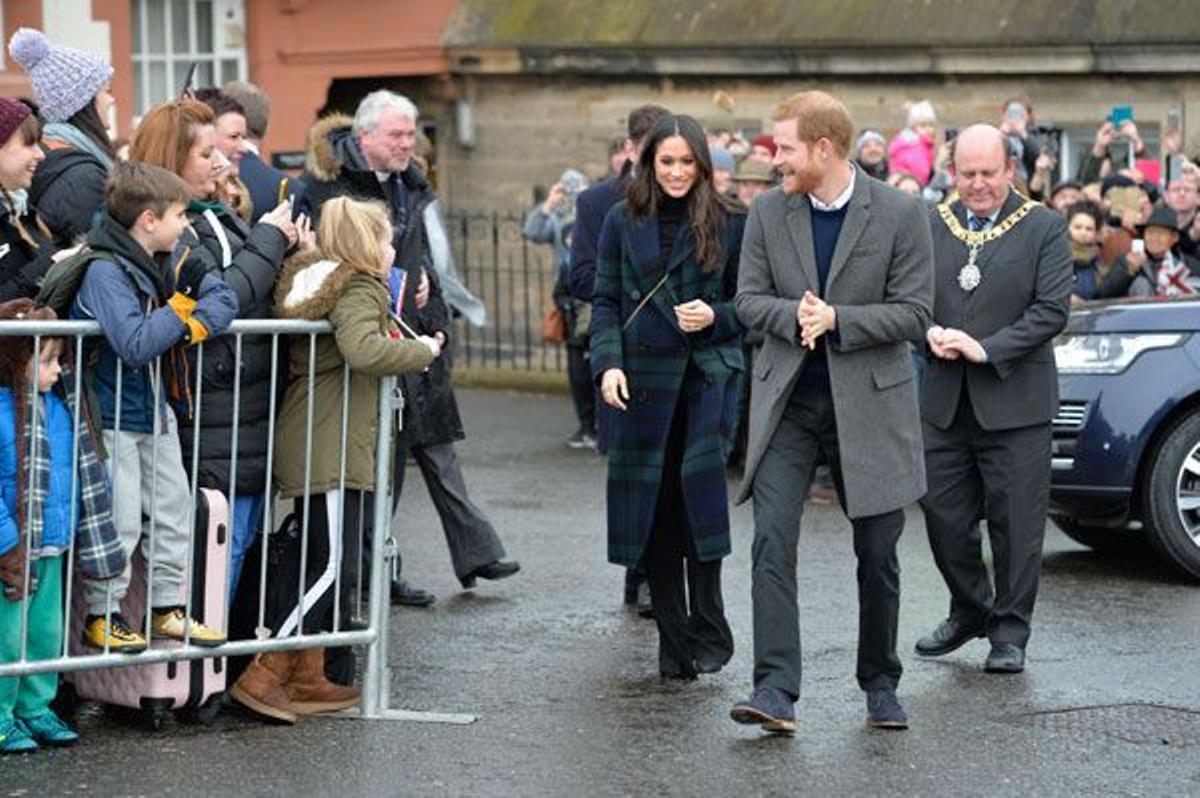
[12,114]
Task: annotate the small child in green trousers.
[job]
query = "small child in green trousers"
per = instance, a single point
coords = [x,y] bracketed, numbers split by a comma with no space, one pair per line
[37,449]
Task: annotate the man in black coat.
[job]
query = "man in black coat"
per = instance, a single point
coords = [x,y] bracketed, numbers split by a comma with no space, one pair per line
[370,157]
[1003,270]
[591,207]
[263,180]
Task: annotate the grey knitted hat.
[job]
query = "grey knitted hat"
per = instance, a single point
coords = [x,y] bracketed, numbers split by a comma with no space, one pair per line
[64,79]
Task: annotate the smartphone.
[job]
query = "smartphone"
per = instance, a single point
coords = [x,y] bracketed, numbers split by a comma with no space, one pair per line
[1174,168]
[951,134]
[1014,112]
[190,80]
[1120,114]
[1138,246]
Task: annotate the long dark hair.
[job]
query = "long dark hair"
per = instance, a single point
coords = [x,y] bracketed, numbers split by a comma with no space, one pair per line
[87,120]
[707,210]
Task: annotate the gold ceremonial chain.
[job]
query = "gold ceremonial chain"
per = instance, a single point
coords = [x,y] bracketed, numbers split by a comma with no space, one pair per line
[969,275]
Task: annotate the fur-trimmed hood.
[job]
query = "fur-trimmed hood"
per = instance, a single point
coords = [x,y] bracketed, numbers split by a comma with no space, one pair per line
[326,147]
[309,286]
[332,149]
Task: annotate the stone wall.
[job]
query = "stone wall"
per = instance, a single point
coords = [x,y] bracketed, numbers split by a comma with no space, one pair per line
[528,128]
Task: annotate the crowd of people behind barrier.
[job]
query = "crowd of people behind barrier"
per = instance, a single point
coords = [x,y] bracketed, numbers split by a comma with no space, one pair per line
[166,249]
[164,246]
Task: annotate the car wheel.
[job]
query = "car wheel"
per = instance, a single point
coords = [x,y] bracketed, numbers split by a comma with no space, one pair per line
[1099,538]
[1173,497]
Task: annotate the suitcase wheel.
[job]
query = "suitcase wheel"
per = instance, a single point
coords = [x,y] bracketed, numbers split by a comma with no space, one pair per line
[203,715]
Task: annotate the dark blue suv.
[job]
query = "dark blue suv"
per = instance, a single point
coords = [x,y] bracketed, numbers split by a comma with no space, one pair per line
[1126,453]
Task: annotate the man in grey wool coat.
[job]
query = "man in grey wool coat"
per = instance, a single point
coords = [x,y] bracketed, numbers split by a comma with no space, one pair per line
[836,274]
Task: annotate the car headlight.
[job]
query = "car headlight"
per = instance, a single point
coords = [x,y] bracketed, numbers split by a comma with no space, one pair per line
[1107,353]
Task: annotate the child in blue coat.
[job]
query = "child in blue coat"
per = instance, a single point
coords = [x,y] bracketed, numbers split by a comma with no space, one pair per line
[45,507]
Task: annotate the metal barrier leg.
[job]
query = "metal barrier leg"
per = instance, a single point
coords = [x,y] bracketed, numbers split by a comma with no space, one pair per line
[377,679]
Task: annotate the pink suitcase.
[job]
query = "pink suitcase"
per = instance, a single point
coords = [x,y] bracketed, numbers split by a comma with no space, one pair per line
[193,687]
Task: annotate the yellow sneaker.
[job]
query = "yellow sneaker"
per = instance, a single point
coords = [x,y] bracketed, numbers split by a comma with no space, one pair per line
[113,633]
[173,624]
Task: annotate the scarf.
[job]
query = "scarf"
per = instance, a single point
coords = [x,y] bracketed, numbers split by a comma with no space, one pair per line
[97,547]
[69,134]
[17,202]
[1173,278]
[1084,253]
[36,441]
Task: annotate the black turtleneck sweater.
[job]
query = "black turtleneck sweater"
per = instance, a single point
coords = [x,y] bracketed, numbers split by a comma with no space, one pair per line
[672,213]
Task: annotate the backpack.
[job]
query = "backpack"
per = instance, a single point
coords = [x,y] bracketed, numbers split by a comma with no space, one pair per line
[62,281]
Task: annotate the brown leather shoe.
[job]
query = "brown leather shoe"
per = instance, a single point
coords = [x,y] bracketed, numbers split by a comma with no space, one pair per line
[310,692]
[260,688]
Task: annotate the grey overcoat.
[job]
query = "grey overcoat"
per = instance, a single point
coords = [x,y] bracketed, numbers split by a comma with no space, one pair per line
[881,286]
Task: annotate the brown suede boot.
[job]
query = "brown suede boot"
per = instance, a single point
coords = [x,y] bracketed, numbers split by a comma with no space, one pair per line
[261,686]
[310,692]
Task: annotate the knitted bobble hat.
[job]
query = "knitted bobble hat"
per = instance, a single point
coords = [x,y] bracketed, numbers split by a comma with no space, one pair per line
[64,79]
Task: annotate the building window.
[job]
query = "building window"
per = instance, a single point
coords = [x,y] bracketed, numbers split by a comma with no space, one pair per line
[170,35]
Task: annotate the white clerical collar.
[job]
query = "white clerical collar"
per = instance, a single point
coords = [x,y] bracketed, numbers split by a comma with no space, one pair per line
[841,200]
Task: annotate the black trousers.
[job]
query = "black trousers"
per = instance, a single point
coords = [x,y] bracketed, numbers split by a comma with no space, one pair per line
[325,574]
[583,390]
[685,593]
[1004,476]
[806,432]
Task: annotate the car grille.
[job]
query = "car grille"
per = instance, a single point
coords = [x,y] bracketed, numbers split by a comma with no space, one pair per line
[1070,417]
[1065,430]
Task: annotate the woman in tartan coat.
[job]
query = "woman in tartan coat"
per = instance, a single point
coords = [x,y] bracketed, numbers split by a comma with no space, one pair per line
[665,341]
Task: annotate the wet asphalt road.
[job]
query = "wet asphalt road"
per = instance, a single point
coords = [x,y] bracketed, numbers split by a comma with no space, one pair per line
[565,684]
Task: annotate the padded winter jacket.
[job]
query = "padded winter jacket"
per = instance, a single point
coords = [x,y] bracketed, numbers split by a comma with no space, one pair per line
[367,339]
[247,260]
[57,522]
[68,191]
[23,262]
[128,295]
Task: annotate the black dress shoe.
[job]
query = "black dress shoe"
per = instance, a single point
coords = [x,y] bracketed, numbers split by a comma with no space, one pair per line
[1005,658]
[645,607]
[405,595]
[670,668]
[493,570]
[948,636]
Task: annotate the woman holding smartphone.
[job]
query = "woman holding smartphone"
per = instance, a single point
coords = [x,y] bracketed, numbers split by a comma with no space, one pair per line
[665,341]
[180,136]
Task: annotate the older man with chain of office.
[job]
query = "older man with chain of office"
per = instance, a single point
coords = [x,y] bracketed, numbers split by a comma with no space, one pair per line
[1003,271]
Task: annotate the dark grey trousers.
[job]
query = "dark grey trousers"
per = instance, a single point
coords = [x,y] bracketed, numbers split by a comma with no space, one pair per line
[470,536]
[806,431]
[1005,476]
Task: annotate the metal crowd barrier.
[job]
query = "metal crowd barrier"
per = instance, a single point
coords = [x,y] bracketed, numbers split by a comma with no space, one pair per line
[375,676]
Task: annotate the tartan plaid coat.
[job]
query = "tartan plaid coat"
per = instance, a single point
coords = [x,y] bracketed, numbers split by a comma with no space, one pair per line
[654,354]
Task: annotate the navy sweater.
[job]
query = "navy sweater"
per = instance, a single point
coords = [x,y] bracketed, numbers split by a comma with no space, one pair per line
[826,226]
